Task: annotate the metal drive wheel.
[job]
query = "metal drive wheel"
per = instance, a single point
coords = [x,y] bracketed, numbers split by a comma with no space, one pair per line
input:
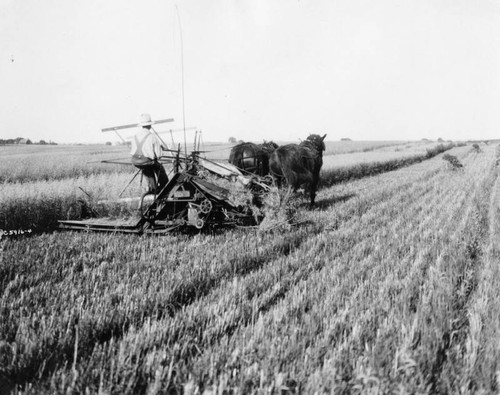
[206,206]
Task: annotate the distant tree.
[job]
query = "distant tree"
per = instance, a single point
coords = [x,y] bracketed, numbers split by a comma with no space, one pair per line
[42,142]
[232,140]
[29,141]
[440,140]
[240,141]
[476,148]
[345,139]
[108,143]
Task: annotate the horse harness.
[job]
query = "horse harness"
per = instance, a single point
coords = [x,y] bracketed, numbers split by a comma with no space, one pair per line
[311,146]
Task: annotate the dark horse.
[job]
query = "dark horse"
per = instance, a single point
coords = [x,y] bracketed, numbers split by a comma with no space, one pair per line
[299,164]
[253,158]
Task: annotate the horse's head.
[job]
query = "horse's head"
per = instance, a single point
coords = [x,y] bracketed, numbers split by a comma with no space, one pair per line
[317,141]
[269,146]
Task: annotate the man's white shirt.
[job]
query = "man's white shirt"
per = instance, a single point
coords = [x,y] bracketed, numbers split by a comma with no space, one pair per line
[145,143]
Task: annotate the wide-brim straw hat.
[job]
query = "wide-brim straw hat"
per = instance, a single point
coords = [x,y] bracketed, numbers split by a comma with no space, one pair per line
[145,120]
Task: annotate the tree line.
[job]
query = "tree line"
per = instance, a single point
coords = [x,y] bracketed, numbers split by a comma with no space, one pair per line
[22,140]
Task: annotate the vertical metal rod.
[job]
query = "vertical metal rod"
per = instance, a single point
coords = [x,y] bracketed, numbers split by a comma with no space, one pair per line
[182,78]
[177,159]
[200,141]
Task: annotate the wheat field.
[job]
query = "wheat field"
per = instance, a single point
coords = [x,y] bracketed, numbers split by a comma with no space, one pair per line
[389,285]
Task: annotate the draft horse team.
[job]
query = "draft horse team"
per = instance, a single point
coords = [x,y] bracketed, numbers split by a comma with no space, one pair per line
[296,164]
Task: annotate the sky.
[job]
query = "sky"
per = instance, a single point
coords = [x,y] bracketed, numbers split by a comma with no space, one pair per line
[251,69]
